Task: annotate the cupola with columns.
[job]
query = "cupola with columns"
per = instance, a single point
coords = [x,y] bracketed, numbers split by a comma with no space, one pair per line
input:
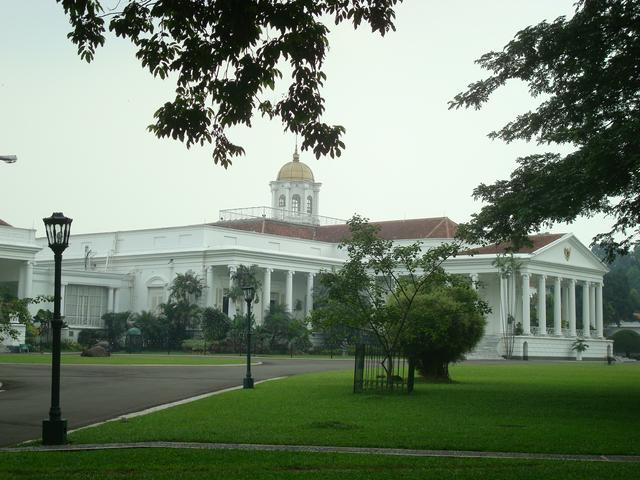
[295,193]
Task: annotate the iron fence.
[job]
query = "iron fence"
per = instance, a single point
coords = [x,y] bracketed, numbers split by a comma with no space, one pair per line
[379,371]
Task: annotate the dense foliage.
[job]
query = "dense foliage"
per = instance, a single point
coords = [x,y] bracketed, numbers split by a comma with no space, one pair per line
[16,310]
[626,342]
[446,322]
[215,325]
[281,333]
[585,71]
[225,57]
[375,290]
[115,326]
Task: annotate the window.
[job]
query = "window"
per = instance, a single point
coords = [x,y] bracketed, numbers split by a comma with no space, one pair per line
[155,296]
[85,305]
[309,205]
[295,204]
[282,201]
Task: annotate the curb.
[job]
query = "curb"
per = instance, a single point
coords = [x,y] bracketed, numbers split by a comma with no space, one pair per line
[334,449]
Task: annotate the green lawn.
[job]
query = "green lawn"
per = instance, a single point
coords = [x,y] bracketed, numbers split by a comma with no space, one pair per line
[203,464]
[122,359]
[578,407]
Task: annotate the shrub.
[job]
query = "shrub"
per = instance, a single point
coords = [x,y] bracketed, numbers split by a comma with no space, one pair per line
[626,342]
[193,345]
[88,338]
[444,324]
[69,345]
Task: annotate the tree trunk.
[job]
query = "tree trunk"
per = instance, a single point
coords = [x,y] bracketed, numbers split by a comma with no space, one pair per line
[434,371]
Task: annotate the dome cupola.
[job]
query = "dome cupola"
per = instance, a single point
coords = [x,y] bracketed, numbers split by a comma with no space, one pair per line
[295,171]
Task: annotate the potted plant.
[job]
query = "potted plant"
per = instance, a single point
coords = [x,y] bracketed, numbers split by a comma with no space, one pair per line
[579,346]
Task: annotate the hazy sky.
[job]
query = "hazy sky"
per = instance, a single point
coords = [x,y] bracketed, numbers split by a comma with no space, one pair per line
[79,129]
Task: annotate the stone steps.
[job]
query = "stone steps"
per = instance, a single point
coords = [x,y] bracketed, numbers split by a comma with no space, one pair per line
[487,349]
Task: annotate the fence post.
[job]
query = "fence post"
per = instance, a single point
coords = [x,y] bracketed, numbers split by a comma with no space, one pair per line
[358,373]
[411,375]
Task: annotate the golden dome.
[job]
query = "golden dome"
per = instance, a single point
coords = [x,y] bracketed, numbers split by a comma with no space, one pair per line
[295,171]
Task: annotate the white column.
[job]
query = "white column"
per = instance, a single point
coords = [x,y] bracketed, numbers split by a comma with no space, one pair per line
[511,287]
[474,280]
[28,281]
[565,303]
[232,303]
[309,292]
[266,288]
[557,307]
[22,279]
[599,319]
[110,299]
[503,303]
[63,289]
[592,305]
[526,305]
[542,305]
[572,307]
[289,292]
[211,301]
[116,299]
[585,310]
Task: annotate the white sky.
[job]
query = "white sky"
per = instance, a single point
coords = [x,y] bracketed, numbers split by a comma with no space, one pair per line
[79,129]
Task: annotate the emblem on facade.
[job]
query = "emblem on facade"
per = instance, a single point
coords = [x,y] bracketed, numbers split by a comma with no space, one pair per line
[567,253]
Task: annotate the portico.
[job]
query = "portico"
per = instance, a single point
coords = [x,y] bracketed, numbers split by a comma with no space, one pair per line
[550,297]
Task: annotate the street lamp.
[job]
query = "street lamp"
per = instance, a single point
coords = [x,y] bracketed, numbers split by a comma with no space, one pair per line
[248,291]
[8,158]
[54,430]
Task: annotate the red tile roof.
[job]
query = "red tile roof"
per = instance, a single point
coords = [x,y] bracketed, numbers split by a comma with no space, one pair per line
[441,227]
[538,241]
[3,223]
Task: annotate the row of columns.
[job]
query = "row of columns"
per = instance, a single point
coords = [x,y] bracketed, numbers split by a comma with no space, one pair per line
[266,288]
[564,302]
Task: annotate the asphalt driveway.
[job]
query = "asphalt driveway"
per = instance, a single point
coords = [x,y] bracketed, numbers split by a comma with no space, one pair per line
[93,393]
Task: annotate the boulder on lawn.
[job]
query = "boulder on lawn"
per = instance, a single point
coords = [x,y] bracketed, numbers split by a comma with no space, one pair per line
[95,351]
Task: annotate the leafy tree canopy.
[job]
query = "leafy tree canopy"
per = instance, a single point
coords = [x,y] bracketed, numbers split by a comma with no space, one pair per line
[585,70]
[376,287]
[16,310]
[245,276]
[215,324]
[225,55]
[446,321]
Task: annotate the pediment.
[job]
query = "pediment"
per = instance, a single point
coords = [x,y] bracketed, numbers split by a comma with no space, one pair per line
[569,251]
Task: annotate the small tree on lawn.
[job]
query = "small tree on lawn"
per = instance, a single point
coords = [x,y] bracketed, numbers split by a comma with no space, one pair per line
[377,286]
[446,321]
[215,325]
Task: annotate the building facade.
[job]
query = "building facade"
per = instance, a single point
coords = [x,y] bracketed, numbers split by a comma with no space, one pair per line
[292,243]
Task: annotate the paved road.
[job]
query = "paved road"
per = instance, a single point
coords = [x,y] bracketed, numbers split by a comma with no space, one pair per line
[92,393]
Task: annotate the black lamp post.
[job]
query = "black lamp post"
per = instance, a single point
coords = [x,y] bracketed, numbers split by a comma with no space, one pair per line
[54,430]
[248,297]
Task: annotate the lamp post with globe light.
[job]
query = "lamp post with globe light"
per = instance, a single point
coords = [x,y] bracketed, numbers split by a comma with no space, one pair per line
[58,227]
[249,292]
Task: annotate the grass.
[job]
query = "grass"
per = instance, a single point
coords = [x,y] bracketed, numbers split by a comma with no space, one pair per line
[576,407]
[121,359]
[171,464]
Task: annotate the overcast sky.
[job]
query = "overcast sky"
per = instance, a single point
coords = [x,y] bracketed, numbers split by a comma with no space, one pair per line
[79,129]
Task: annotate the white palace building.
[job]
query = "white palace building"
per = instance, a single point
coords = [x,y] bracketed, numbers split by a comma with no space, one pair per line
[291,243]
